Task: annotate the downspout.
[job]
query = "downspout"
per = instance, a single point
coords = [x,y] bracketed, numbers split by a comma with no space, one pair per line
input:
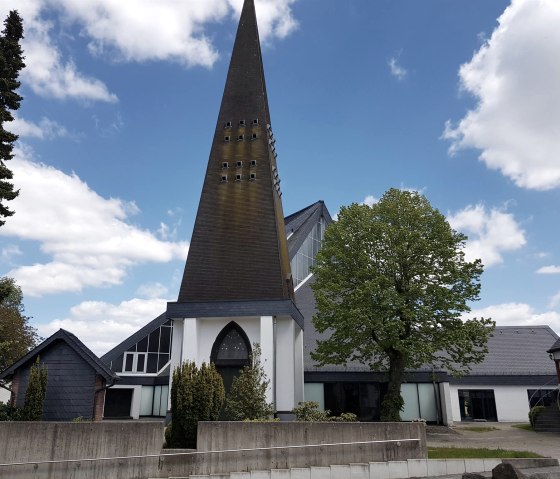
[274,362]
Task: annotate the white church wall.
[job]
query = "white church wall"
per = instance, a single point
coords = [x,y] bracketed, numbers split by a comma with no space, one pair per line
[512,402]
[285,367]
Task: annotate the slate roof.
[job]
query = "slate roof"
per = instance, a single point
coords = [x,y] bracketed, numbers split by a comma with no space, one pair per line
[133,339]
[555,347]
[238,250]
[300,223]
[513,350]
[80,348]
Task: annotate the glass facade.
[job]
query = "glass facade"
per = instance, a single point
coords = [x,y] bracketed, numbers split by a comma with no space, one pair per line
[149,355]
[305,256]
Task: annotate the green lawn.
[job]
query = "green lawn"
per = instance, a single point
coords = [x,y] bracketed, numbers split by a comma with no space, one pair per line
[476,453]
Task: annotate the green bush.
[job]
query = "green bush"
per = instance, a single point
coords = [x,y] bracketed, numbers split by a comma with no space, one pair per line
[308,411]
[35,392]
[196,395]
[247,397]
[534,413]
[10,413]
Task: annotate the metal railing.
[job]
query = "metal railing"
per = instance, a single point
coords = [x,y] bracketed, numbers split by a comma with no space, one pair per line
[188,453]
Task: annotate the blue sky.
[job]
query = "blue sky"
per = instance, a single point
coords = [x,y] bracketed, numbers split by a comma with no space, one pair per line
[455,98]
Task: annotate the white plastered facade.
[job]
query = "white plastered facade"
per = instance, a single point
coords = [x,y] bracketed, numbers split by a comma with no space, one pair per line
[280,339]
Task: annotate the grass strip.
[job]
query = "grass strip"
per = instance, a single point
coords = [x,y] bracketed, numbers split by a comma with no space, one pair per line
[479,428]
[476,453]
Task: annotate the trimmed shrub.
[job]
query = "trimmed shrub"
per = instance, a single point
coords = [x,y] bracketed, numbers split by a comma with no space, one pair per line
[534,413]
[308,411]
[35,392]
[196,395]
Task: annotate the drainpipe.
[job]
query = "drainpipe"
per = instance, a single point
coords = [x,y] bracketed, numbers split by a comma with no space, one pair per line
[274,361]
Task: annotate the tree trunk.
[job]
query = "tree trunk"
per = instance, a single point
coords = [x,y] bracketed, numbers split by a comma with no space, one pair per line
[393,403]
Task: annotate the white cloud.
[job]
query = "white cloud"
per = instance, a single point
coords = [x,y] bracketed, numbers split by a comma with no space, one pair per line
[370,200]
[490,233]
[397,70]
[552,269]
[515,82]
[45,129]
[10,251]
[152,290]
[101,326]
[518,314]
[130,31]
[87,236]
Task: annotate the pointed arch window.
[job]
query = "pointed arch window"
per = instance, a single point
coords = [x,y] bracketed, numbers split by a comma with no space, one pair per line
[232,347]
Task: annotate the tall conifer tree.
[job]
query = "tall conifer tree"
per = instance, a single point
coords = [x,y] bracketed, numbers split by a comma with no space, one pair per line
[11,62]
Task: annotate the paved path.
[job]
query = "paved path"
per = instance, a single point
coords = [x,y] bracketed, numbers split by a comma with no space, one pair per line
[503,436]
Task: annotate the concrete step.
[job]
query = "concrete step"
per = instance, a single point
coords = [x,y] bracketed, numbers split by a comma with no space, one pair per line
[440,468]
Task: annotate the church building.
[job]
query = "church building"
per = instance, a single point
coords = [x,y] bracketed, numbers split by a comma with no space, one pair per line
[247,281]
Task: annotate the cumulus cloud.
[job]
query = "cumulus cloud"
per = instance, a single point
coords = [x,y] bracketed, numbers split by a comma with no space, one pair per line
[515,82]
[397,70]
[152,290]
[370,200]
[491,233]
[87,236]
[46,129]
[131,31]
[552,269]
[518,314]
[101,325]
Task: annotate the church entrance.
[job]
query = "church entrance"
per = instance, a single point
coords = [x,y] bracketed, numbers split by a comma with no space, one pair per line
[230,353]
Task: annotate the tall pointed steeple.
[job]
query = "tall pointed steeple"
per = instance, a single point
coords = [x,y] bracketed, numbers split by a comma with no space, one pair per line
[238,250]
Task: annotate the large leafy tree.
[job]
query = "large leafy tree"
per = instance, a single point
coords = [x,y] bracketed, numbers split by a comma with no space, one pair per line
[11,62]
[17,337]
[392,286]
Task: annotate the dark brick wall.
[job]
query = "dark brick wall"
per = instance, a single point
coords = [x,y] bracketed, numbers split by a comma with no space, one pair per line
[71,383]
[99,398]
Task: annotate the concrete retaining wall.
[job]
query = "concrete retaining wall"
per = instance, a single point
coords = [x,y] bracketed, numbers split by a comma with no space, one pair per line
[29,442]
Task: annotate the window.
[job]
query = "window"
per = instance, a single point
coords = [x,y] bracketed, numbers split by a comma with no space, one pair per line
[224,178]
[477,404]
[230,353]
[135,362]
[254,136]
[237,177]
[252,176]
[226,138]
[241,122]
[239,164]
[542,397]
[149,355]
[256,121]
[305,256]
[253,162]
[225,164]
[228,124]
[240,137]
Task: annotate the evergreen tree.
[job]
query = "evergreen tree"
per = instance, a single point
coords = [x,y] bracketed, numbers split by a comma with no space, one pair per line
[35,392]
[196,395]
[247,397]
[11,62]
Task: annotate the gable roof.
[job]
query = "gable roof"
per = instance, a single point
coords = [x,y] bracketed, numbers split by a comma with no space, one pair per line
[71,340]
[300,224]
[512,350]
[133,339]
[555,347]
